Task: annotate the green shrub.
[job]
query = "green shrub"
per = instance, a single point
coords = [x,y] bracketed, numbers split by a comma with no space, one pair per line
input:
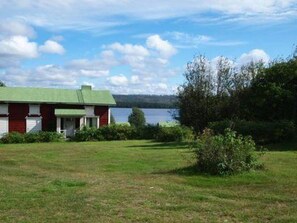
[176,133]
[31,137]
[225,154]
[125,132]
[117,132]
[261,132]
[86,134]
[50,137]
[13,137]
[149,131]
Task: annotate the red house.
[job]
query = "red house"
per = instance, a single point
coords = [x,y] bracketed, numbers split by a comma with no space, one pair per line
[44,109]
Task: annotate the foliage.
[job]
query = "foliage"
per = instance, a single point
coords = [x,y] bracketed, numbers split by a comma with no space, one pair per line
[262,132]
[211,93]
[136,118]
[2,84]
[176,133]
[274,90]
[15,137]
[111,132]
[116,132]
[250,92]
[125,132]
[225,154]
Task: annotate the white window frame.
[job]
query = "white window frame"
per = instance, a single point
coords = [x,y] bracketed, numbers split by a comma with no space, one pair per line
[34,109]
[40,118]
[4,109]
[98,120]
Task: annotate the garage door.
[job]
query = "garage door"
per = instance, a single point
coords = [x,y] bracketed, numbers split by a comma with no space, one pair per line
[33,124]
[3,125]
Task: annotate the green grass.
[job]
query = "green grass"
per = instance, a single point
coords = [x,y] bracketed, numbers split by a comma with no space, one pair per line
[138,181]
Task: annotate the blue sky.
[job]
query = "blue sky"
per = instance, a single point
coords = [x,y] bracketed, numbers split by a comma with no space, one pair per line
[135,47]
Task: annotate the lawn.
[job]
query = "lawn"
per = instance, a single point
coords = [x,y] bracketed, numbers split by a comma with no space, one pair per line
[138,181]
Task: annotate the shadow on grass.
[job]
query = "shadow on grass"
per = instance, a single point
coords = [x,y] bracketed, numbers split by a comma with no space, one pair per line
[284,146]
[184,171]
[165,145]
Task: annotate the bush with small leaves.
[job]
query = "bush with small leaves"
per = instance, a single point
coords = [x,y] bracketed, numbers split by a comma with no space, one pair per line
[225,154]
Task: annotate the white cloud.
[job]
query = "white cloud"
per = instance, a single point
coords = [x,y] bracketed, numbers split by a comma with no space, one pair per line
[165,49]
[186,40]
[135,79]
[118,80]
[94,73]
[254,55]
[47,75]
[18,46]
[129,49]
[16,28]
[53,47]
[98,15]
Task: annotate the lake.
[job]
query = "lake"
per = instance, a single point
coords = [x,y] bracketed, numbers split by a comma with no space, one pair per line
[152,115]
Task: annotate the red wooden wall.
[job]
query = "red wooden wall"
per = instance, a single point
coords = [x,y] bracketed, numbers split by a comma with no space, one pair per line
[18,113]
[17,117]
[102,112]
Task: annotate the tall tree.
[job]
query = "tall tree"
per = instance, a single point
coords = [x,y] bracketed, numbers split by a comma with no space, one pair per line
[2,84]
[195,95]
[211,91]
[136,118]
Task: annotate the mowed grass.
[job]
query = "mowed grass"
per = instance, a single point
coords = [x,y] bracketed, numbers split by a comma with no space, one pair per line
[138,181]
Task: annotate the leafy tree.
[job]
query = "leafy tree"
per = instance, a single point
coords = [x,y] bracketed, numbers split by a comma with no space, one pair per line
[273,94]
[2,84]
[212,92]
[136,118]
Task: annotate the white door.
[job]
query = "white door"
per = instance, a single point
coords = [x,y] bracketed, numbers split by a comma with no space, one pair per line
[3,125]
[69,126]
[33,124]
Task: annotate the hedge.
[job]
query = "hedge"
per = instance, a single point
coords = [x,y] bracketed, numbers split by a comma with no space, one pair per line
[261,132]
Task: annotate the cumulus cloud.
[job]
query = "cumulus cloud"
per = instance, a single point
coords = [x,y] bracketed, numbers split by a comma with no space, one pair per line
[16,28]
[165,48]
[18,46]
[129,49]
[118,80]
[255,55]
[47,75]
[52,47]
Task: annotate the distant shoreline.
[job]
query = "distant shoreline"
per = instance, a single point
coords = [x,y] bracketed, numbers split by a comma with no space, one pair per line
[146,101]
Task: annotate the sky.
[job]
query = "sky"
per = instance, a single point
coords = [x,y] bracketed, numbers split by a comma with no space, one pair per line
[132,46]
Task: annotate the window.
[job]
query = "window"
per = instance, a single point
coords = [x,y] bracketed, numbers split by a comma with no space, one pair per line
[92,122]
[33,124]
[34,110]
[3,109]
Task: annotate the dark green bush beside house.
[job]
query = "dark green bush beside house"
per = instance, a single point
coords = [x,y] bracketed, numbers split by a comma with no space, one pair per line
[125,132]
[262,132]
[16,137]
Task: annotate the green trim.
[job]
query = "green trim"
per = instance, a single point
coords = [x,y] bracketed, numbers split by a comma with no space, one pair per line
[70,112]
[86,96]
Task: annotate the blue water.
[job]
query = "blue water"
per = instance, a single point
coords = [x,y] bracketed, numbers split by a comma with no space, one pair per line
[152,115]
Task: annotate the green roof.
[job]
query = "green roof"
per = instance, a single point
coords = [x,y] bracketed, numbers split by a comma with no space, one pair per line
[70,112]
[84,96]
